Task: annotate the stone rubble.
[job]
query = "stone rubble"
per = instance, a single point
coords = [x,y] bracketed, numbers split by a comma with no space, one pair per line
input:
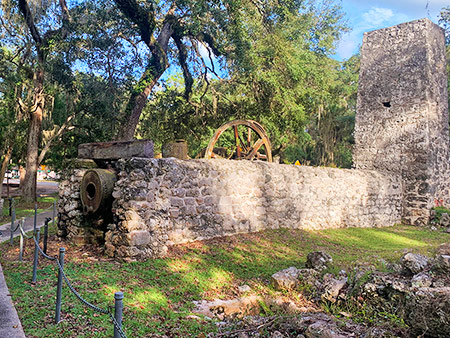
[421,280]
[414,263]
[318,260]
[286,279]
[333,288]
[445,220]
[244,288]
[422,300]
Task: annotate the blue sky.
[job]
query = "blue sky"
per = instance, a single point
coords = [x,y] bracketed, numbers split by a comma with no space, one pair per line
[367,15]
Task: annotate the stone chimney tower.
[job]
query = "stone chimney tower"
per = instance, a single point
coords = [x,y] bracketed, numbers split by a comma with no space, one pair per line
[402,113]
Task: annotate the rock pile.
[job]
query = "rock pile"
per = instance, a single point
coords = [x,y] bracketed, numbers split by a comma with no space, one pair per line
[440,220]
[416,291]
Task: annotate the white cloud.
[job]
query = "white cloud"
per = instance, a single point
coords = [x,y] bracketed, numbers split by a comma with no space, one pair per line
[367,15]
[348,45]
[373,18]
[376,16]
[415,8]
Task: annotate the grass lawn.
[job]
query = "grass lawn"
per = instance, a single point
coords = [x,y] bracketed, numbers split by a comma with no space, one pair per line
[159,292]
[26,209]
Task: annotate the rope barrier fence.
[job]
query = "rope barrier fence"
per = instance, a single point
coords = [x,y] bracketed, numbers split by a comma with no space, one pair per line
[115,318]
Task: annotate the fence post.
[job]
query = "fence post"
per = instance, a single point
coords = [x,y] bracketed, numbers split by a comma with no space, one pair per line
[36,255]
[22,222]
[11,201]
[54,212]
[46,234]
[118,308]
[13,218]
[35,217]
[59,287]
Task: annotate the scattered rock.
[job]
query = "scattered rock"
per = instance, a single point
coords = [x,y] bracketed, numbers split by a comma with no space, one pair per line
[448,230]
[414,263]
[444,249]
[433,228]
[318,260]
[427,312]
[394,267]
[432,214]
[286,279]
[308,276]
[288,306]
[193,317]
[422,295]
[439,283]
[421,280]
[333,288]
[443,262]
[319,329]
[370,289]
[377,332]
[244,288]
[221,309]
[445,220]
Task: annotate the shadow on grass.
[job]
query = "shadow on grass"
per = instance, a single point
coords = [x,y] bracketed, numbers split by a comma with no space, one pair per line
[159,292]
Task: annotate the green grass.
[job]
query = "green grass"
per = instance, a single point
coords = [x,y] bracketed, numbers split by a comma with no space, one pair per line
[26,209]
[159,292]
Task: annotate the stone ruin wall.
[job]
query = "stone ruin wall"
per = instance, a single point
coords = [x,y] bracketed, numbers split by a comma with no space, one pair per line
[401,158]
[161,202]
[402,113]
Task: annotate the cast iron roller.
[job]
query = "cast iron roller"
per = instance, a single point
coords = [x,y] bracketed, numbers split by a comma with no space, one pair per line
[96,189]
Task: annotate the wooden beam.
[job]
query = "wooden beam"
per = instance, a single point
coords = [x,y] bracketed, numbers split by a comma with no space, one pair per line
[116,150]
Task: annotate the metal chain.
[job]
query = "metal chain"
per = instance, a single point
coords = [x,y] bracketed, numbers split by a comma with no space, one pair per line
[42,252]
[81,299]
[116,324]
[24,234]
[92,306]
[17,227]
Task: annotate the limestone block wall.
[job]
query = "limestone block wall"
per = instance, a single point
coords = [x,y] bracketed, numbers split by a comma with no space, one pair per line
[402,113]
[161,202]
[69,205]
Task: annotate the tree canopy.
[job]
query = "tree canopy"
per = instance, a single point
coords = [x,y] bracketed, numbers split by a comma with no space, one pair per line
[83,71]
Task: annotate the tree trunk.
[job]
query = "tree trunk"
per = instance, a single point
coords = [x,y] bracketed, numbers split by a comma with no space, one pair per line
[5,164]
[139,97]
[156,67]
[34,132]
[22,172]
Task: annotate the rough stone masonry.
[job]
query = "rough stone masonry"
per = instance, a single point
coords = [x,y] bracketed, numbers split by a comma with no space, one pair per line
[401,158]
[161,202]
[402,113]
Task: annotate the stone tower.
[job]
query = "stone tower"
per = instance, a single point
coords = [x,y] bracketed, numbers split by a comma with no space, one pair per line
[402,113]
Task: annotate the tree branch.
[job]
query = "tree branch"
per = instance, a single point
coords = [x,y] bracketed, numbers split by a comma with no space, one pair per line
[66,19]
[25,9]
[53,137]
[145,20]
[182,58]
